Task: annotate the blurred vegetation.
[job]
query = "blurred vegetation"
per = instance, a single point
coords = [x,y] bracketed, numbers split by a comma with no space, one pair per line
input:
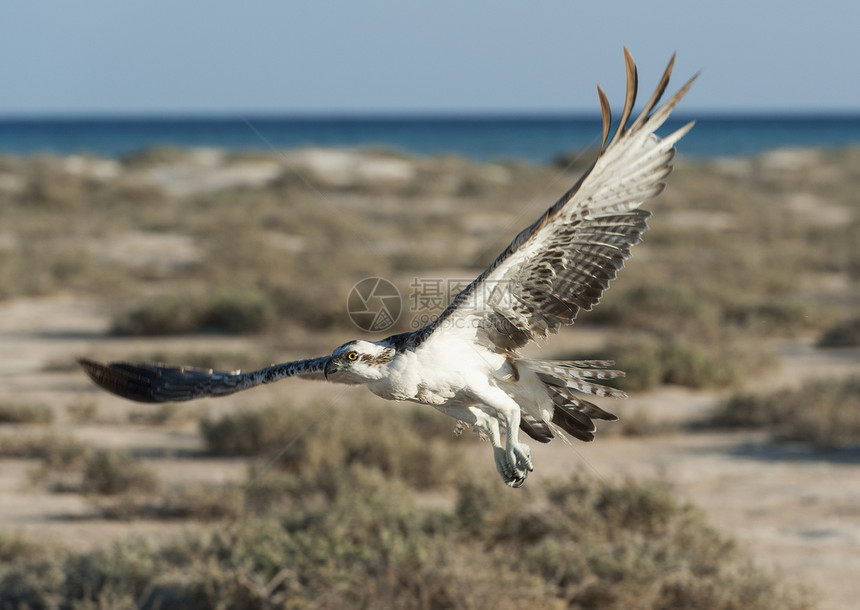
[824,413]
[346,535]
[182,314]
[161,415]
[217,359]
[50,447]
[83,411]
[650,360]
[639,423]
[78,468]
[108,472]
[374,507]
[415,446]
[17,412]
[841,334]
[743,246]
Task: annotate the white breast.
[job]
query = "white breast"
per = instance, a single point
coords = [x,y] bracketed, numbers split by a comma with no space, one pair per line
[440,371]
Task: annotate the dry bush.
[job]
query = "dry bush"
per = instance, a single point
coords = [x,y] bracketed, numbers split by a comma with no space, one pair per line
[673,310]
[15,412]
[621,545]
[109,472]
[414,446]
[730,246]
[705,307]
[333,522]
[216,359]
[51,448]
[74,467]
[366,543]
[824,413]
[83,411]
[200,502]
[159,416]
[330,519]
[744,250]
[639,423]
[225,311]
[842,334]
[650,361]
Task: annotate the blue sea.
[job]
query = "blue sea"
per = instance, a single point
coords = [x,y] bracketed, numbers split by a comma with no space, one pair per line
[537,139]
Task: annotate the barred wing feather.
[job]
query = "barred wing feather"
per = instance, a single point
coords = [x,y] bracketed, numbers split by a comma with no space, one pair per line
[156,383]
[564,262]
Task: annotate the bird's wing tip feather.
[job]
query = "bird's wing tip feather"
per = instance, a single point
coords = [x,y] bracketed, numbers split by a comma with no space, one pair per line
[131,381]
[606,112]
[94,370]
[632,89]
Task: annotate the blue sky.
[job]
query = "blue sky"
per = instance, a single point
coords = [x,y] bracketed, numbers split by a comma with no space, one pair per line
[345,56]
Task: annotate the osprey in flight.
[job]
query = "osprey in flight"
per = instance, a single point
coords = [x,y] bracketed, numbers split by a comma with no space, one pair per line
[466,362]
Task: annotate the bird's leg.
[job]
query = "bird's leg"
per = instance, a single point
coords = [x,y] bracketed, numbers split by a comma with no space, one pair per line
[517,456]
[489,426]
[512,459]
[485,425]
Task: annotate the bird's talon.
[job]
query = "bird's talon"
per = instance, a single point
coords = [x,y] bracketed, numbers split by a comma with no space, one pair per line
[518,481]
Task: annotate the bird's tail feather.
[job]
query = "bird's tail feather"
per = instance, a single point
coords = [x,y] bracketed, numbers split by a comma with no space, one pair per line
[566,381]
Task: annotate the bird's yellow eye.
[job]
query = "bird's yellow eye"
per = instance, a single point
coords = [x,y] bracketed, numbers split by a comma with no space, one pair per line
[352,356]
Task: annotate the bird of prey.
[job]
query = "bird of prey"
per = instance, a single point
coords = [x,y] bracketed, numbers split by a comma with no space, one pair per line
[466,362]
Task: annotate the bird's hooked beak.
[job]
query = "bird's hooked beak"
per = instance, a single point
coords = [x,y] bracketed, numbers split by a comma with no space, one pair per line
[331,366]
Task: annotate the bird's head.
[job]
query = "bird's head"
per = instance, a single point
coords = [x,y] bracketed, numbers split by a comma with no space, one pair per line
[359,361]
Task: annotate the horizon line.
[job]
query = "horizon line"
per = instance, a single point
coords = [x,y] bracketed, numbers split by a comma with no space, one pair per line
[381,115]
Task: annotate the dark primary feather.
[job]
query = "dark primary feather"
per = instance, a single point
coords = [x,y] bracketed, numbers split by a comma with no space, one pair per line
[156,383]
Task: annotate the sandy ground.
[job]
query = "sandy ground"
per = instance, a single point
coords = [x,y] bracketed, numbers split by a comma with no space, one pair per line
[796,509]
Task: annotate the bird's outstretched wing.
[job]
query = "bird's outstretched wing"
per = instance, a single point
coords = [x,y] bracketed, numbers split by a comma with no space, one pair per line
[565,260]
[155,383]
